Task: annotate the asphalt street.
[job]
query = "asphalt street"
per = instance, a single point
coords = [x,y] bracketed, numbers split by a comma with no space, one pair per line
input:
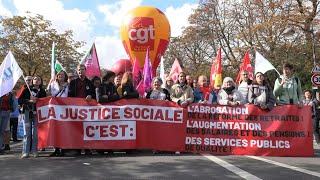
[146,165]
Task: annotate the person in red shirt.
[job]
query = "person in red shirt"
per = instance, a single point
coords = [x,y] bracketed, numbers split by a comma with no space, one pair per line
[6,103]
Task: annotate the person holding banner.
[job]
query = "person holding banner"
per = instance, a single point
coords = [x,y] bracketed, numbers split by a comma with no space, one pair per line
[244,84]
[229,95]
[182,93]
[6,102]
[117,81]
[287,89]
[126,89]
[28,101]
[314,103]
[82,87]
[96,81]
[203,93]
[60,87]
[107,91]
[260,93]
[158,93]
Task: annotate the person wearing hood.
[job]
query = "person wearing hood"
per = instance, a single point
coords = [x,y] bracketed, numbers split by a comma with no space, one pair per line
[229,95]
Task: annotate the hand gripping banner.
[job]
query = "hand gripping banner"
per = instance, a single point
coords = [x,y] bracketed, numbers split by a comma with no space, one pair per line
[72,123]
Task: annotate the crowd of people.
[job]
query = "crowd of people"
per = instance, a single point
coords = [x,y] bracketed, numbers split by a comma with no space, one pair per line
[112,87]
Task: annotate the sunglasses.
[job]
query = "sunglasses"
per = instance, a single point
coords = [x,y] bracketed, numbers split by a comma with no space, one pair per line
[28,79]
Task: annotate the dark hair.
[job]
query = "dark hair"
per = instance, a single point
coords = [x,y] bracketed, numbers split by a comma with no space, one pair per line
[41,84]
[95,78]
[185,75]
[308,90]
[107,75]
[265,82]
[82,65]
[288,65]
[65,76]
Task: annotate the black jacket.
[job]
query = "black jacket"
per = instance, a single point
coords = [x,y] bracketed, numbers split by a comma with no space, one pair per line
[73,87]
[25,97]
[107,89]
[131,92]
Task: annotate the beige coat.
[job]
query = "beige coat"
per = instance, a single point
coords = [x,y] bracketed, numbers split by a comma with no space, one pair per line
[181,93]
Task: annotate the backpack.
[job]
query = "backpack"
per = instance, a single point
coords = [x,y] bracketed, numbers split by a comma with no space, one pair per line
[297,81]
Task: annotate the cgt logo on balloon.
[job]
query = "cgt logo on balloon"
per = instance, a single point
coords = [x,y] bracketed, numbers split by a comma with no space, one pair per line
[141,33]
[123,130]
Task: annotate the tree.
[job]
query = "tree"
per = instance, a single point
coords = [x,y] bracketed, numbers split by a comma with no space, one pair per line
[30,39]
[236,26]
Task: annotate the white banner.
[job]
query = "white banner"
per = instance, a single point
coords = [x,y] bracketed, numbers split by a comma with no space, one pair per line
[10,72]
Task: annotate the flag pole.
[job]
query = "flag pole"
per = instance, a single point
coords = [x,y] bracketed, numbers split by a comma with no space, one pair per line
[24,78]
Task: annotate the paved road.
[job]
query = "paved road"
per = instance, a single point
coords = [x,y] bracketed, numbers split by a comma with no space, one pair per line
[145,165]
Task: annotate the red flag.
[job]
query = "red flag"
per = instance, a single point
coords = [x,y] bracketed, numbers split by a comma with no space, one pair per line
[245,66]
[19,92]
[175,70]
[216,71]
[90,60]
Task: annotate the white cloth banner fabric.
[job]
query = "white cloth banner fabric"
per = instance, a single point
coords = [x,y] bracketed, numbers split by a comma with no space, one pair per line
[10,72]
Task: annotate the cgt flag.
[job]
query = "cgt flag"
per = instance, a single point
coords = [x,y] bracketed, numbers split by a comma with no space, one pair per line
[90,60]
[245,66]
[10,72]
[216,71]
[175,70]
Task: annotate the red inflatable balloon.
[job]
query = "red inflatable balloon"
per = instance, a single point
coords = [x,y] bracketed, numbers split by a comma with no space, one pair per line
[121,66]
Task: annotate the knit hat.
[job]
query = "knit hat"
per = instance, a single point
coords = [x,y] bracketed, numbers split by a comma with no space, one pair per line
[227,79]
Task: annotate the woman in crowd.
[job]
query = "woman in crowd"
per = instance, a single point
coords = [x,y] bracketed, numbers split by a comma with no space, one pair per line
[126,89]
[203,93]
[107,91]
[7,106]
[260,94]
[229,95]
[157,92]
[117,81]
[169,83]
[96,81]
[314,103]
[181,92]
[27,100]
[59,89]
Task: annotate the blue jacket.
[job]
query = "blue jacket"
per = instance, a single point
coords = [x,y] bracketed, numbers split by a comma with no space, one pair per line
[198,96]
[15,113]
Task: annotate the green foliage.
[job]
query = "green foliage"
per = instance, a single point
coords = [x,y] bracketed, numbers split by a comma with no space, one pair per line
[236,26]
[30,40]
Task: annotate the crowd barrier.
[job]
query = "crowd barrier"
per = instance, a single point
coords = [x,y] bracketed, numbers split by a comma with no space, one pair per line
[73,123]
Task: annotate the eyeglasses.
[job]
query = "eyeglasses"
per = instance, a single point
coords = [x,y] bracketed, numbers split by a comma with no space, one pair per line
[245,74]
[28,79]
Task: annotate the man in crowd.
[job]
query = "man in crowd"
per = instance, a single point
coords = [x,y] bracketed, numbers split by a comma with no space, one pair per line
[244,83]
[81,87]
[287,88]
